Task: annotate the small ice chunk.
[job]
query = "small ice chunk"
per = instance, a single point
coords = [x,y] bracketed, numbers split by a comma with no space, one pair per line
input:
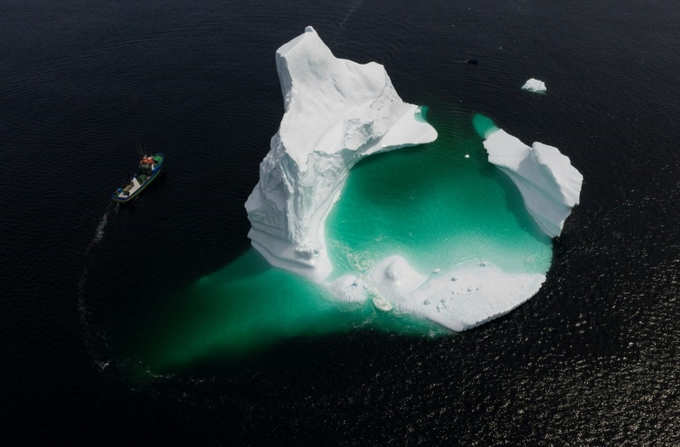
[535,86]
[381,303]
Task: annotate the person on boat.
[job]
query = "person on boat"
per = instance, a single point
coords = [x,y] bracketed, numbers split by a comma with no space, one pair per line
[146,164]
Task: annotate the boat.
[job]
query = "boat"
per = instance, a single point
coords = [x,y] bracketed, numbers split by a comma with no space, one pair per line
[148,170]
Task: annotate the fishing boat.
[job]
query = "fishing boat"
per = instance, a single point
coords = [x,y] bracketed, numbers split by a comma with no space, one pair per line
[148,170]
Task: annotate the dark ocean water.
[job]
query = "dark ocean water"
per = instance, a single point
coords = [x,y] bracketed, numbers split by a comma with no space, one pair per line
[592,359]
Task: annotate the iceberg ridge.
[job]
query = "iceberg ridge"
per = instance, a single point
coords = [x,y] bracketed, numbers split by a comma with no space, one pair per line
[550,186]
[336,112]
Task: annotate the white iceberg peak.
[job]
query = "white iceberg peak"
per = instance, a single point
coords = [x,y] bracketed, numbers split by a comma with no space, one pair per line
[336,112]
[549,184]
[535,86]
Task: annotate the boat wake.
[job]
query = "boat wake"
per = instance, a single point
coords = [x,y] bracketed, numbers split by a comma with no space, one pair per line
[93,338]
[352,9]
[99,232]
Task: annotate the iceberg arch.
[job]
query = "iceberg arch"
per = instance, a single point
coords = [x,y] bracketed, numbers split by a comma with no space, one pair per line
[336,112]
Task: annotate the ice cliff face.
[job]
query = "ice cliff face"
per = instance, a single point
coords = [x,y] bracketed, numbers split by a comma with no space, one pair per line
[549,184]
[335,112]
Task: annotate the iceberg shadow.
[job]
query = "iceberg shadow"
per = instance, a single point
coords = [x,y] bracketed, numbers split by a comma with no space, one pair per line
[515,203]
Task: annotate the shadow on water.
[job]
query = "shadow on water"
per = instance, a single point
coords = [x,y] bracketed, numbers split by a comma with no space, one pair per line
[483,126]
[515,203]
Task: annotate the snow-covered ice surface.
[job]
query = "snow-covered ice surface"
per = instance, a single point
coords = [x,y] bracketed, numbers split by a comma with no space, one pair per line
[535,86]
[549,184]
[336,112]
[466,296]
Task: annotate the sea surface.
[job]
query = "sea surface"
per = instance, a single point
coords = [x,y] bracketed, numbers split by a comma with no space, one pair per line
[156,323]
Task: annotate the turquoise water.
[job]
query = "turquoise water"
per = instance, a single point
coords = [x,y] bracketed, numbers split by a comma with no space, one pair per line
[483,125]
[436,207]
[430,203]
[249,305]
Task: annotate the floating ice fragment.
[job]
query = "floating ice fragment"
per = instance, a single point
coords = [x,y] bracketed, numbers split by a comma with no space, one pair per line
[535,86]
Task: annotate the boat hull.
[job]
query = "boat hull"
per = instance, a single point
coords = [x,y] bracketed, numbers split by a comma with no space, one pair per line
[116,197]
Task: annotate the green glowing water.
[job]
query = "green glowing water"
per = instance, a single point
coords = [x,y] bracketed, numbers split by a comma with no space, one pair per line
[436,207]
[249,305]
[430,203]
[483,125]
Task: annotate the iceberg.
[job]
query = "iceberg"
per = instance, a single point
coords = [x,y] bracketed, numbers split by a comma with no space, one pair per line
[336,112]
[550,186]
[535,86]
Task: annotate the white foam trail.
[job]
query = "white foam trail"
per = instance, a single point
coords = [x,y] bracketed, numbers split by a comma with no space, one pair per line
[99,234]
[90,337]
[351,11]
[99,231]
